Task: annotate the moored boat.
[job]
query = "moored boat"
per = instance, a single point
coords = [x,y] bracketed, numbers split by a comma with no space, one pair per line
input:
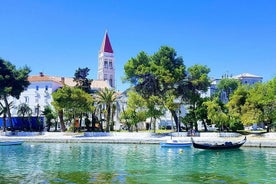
[226,145]
[9,143]
[175,143]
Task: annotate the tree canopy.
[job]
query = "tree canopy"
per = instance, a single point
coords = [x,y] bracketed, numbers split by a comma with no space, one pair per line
[12,82]
[135,111]
[228,86]
[72,101]
[81,79]
[158,75]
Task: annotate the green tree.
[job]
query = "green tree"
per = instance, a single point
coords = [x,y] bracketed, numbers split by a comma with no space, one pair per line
[202,113]
[4,111]
[135,67]
[196,83]
[260,105]
[155,109]
[49,115]
[170,71]
[216,113]
[23,110]
[12,82]
[106,98]
[135,111]
[71,101]
[236,103]
[173,104]
[228,86]
[81,79]
[157,75]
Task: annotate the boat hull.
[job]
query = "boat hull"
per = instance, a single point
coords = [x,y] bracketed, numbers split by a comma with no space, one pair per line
[225,146]
[165,144]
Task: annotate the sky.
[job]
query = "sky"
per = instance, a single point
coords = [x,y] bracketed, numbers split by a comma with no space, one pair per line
[57,37]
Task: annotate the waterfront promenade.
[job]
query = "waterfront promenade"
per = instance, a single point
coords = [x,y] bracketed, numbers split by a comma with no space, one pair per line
[253,140]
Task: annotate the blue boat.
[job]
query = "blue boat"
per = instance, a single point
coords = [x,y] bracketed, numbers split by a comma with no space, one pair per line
[175,143]
[9,143]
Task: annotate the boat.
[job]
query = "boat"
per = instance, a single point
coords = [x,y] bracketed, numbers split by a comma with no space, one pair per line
[175,143]
[226,145]
[9,143]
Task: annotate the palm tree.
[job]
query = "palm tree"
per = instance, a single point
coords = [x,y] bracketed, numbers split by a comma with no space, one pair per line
[23,111]
[49,115]
[106,98]
[4,111]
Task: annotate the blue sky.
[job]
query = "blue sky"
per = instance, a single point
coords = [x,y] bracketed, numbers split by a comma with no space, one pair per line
[58,36]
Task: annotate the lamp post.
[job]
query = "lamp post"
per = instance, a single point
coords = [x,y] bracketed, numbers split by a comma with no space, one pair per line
[37,110]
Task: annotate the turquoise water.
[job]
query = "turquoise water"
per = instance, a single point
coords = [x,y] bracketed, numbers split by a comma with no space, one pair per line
[133,163]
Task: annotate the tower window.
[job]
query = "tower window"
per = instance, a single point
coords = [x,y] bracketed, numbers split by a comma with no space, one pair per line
[105,77]
[110,65]
[105,64]
[110,82]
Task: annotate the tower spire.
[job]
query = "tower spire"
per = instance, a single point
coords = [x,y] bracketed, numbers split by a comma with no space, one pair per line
[106,69]
[106,46]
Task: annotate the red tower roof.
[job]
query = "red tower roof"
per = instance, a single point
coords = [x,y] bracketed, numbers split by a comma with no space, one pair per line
[106,46]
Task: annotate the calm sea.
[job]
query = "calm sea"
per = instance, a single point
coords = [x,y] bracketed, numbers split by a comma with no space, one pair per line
[83,163]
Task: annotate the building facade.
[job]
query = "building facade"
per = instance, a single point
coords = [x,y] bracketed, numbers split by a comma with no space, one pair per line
[244,78]
[247,78]
[38,95]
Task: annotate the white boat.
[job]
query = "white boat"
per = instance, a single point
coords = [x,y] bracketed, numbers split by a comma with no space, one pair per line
[9,143]
[175,143]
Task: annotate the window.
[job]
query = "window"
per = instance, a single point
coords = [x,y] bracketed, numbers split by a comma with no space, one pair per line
[26,98]
[105,64]
[105,77]
[110,65]
[46,88]
[37,88]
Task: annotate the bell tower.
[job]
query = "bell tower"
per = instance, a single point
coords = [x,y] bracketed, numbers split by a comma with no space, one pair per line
[106,69]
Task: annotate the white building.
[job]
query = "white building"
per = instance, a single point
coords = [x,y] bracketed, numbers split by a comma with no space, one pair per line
[39,92]
[247,78]
[212,89]
[244,78]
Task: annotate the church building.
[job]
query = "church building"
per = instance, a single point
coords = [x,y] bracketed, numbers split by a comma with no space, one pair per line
[39,92]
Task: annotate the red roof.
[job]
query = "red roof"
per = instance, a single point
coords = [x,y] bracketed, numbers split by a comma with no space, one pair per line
[106,46]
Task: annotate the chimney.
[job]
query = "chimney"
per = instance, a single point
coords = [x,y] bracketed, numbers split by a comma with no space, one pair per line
[41,74]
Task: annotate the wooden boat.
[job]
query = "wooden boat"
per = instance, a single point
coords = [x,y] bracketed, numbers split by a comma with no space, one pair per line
[226,145]
[9,143]
[175,143]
